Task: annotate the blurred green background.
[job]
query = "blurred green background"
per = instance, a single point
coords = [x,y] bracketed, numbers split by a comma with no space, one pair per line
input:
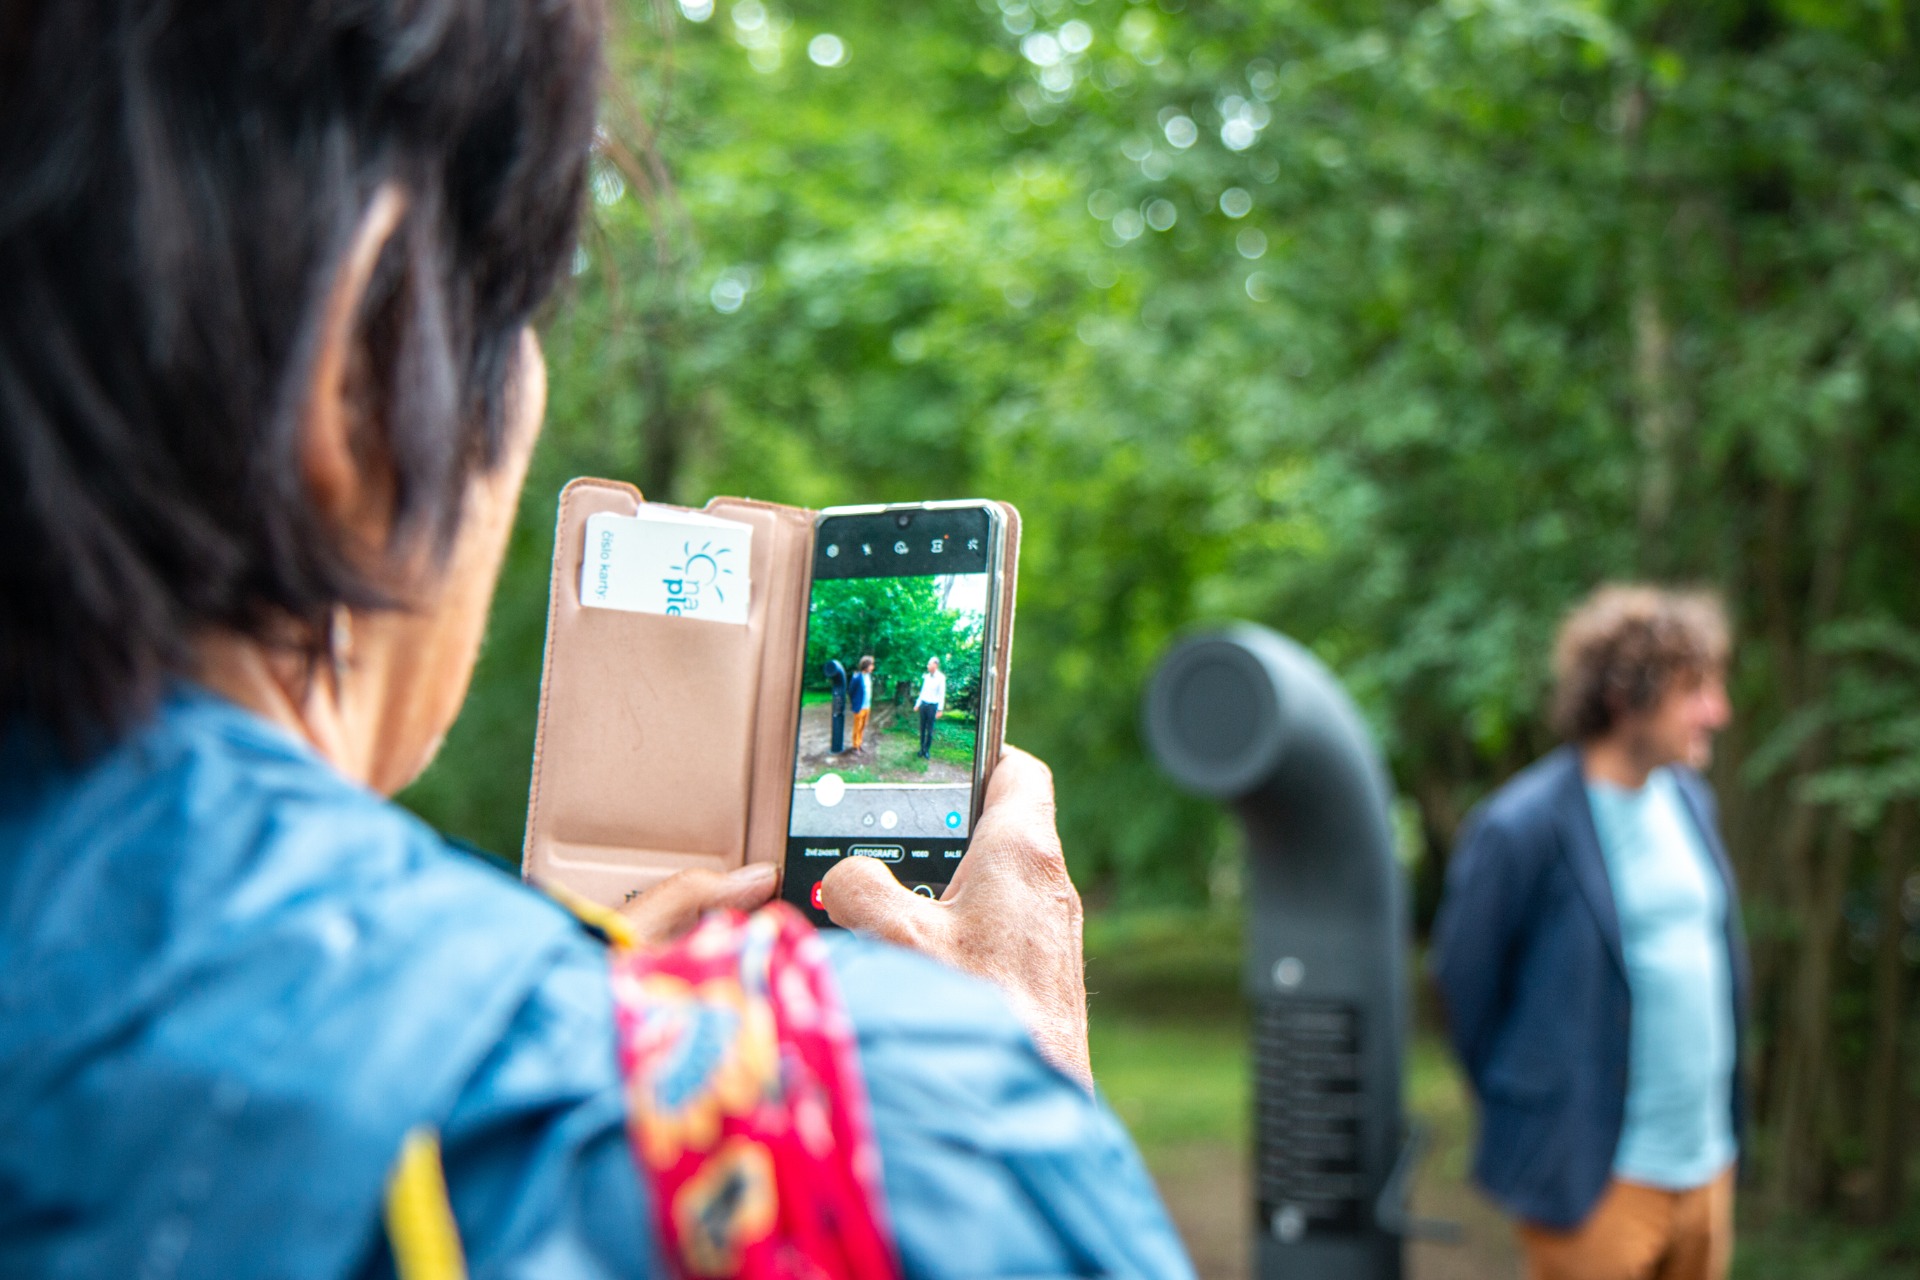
[1396,326]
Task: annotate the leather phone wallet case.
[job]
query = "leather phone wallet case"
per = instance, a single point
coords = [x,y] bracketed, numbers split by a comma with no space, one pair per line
[666,743]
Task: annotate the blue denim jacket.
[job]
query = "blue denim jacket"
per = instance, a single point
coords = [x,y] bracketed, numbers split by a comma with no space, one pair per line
[231,980]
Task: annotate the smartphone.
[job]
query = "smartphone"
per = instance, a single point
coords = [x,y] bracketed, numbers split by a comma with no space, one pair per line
[899,692]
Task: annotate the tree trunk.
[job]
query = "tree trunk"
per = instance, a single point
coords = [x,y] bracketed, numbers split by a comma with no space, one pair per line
[1887,1104]
[1797,1179]
[1814,892]
[1434,795]
[1779,873]
[1654,412]
[667,427]
[1654,409]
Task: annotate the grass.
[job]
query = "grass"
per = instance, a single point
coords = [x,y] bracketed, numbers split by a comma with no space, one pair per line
[896,750]
[1173,1084]
[1169,1040]
[1169,1036]
[1168,1031]
[953,737]
[1823,1250]
[896,745]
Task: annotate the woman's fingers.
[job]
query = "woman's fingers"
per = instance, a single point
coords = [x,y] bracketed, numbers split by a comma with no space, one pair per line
[1019,808]
[1011,914]
[676,904]
[748,887]
[862,895]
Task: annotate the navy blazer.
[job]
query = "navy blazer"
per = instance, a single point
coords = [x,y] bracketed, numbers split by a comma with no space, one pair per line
[1528,958]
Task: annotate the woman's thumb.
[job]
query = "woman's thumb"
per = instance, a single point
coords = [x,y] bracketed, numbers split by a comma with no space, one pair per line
[861,894]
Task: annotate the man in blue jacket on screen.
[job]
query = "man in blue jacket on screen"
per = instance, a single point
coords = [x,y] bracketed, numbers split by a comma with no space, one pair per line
[1589,957]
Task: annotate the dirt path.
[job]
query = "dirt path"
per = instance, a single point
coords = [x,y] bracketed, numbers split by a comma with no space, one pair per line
[816,738]
[890,756]
[1205,1188]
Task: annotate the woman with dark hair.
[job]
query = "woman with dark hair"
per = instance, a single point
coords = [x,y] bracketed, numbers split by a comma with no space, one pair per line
[267,395]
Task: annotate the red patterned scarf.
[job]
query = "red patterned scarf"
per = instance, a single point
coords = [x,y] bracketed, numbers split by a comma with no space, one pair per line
[748,1112]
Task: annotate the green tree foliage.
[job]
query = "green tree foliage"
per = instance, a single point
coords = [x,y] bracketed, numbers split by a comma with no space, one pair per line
[899,623]
[1394,325]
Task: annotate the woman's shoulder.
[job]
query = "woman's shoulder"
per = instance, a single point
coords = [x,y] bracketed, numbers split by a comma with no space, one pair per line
[260,965]
[210,815]
[209,847]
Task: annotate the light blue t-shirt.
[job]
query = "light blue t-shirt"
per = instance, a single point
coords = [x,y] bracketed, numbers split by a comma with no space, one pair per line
[1672,905]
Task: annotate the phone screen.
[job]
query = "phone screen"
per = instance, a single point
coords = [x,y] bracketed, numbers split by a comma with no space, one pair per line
[894,696]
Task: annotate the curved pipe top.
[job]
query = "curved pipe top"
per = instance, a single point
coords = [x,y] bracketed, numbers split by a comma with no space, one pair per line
[1244,715]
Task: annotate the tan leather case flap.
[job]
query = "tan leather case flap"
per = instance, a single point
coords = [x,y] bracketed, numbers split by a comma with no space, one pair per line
[665,743]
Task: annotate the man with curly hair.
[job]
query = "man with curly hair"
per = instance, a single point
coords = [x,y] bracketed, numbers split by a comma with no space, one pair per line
[1589,956]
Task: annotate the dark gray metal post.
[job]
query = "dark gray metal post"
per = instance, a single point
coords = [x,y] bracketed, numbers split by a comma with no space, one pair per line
[1248,717]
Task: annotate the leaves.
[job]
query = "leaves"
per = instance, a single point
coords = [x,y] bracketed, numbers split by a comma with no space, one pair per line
[1331,316]
[899,623]
[1397,326]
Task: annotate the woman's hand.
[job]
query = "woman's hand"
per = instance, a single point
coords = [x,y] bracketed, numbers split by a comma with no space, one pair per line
[1011,915]
[675,905]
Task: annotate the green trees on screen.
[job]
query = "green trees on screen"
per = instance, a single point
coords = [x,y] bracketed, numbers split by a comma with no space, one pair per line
[899,623]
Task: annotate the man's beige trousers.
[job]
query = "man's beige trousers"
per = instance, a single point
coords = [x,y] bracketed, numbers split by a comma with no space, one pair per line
[1638,1232]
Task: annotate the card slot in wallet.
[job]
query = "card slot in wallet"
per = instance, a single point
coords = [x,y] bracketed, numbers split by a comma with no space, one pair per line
[658,707]
[784,537]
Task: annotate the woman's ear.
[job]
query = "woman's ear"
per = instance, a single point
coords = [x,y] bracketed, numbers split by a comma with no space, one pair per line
[335,479]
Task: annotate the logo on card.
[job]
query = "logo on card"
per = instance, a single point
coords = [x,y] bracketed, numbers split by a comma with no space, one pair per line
[700,574]
[661,560]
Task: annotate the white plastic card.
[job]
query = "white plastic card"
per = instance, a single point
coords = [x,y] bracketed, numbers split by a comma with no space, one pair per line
[680,563]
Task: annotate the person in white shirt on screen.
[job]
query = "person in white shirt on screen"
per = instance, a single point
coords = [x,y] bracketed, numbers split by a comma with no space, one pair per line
[933,698]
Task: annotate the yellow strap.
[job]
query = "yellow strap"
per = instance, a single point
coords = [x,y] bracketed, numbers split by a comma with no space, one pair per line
[612,925]
[420,1225]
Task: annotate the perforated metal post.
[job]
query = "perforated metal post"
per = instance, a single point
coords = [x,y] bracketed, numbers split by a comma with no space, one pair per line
[1248,717]
[837,685]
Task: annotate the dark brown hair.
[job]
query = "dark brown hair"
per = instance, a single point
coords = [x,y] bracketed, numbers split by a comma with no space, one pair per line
[1622,647]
